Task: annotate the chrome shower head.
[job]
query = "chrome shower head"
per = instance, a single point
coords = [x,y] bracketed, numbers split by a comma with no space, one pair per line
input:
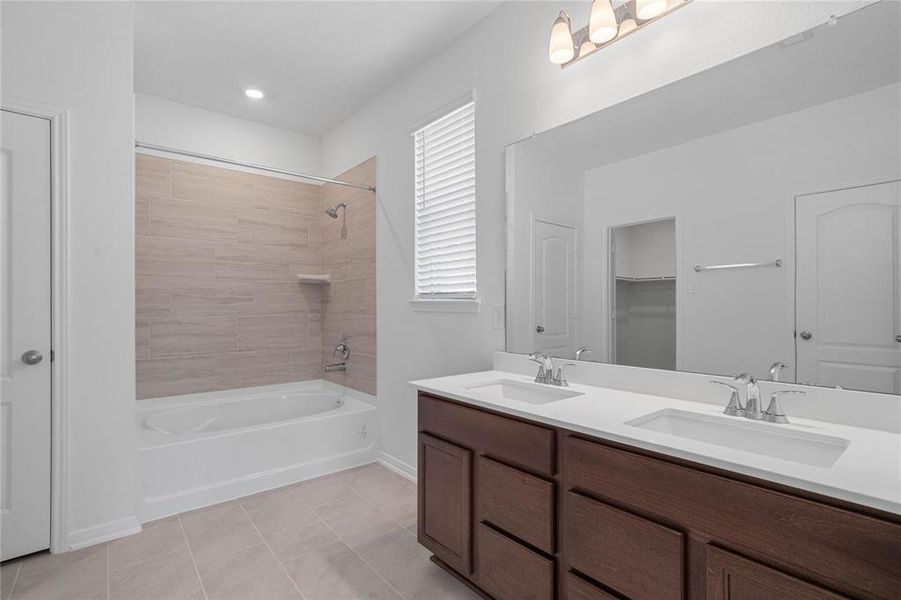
[333,211]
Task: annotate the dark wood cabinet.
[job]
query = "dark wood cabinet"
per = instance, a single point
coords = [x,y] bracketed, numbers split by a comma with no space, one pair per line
[522,510]
[731,577]
[445,500]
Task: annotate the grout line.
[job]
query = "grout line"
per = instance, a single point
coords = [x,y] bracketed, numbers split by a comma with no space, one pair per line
[271,551]
[344,541]
[191,555]
[12,588]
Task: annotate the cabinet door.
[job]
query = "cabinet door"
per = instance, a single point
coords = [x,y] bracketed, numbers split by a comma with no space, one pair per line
[731,577]
[445,500]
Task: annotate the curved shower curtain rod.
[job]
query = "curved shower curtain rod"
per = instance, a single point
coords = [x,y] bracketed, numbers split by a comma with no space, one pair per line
[236,163]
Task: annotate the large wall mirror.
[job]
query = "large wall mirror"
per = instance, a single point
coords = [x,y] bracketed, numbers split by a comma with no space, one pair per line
[745,219]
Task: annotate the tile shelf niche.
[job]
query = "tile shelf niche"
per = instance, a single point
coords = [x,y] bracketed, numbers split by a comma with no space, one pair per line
[313,278]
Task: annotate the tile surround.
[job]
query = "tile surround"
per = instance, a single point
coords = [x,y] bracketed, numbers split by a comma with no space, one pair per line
[291,542]
[217,302]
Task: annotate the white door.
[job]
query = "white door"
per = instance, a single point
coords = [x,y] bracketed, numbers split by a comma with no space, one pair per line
[24,335]
[554,288]
[848,327]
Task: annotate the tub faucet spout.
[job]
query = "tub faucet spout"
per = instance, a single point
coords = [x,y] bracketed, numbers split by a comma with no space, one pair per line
[336,367]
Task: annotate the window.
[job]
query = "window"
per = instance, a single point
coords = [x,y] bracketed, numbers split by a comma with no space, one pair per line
[445,179]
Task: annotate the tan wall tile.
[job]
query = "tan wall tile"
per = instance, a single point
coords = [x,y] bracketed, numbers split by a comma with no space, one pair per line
[192,335]
[281,297]
[212,185]
[272,332]
[153,296]
[153,176]
[142,338]
[244,369]
[196,221]
[142,215]
[251,262]
[272,228]
[166,257]
[173,376]
[292,197]
[210,297]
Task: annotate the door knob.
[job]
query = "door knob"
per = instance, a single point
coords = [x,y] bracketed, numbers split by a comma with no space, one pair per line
[806,335]
[898,338]
[539,329]
[32,357]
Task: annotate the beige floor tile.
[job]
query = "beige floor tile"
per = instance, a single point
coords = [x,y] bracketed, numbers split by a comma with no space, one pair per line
[403,563]
[8,572]
[157,538]
[166,577]
[335,572]
[218,530]
[249,574]
[77,575]
[289,526]
[355,521]
[322,490]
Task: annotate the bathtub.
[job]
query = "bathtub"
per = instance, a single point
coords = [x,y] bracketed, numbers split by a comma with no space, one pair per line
[200,449]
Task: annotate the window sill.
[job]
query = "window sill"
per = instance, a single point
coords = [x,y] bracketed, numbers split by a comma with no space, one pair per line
[464,306]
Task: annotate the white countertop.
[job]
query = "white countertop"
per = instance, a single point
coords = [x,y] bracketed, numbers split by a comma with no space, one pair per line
[868,472]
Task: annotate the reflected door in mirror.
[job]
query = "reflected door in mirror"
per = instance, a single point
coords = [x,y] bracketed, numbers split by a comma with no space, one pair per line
[554,287]
[848,309]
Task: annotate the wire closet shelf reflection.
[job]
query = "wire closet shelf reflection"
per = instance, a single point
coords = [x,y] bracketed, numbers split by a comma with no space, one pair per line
[773,263]
[236,163]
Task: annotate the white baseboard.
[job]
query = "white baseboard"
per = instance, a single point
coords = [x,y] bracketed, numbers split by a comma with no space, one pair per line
[398,466]
[103,533]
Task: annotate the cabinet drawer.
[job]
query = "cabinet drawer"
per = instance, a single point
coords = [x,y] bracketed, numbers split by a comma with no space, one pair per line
[519,503]
[579,589]
[510,571]
[731,577]
[851,552]
[444,494]
[631,555]
[531,446]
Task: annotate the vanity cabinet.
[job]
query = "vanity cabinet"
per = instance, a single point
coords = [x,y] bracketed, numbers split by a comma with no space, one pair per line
[556,514]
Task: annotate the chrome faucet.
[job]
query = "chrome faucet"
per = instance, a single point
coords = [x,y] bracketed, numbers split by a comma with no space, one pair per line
[545,367]
[343,349]
[558,378]
[776,369]
[582,351]
[734,408]
[752,401]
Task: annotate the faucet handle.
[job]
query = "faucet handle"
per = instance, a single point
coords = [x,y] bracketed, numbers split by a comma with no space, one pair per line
[541,358]
[734,408]
[773,412]
[559,378]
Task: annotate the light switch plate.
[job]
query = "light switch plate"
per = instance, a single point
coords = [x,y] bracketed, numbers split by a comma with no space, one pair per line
[497,316]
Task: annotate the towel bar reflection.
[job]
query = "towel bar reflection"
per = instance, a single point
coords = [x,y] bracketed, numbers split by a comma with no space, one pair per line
[772,263]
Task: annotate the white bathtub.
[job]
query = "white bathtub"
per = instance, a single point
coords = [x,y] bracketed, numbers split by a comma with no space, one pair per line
[199,449]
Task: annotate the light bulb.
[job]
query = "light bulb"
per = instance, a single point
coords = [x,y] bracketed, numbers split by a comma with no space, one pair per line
[648,9]
[627,26]
[601,22]
[254,94]
[586,48]
[560,49]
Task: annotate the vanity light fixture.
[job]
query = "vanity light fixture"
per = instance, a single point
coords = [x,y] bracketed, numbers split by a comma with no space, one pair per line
[609,21]
[560,49]
[254,94]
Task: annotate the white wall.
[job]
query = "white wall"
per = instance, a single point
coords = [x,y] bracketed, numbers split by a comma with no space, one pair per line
[165,123]
[79,56]
[504,58]
[642,251]
[733,197]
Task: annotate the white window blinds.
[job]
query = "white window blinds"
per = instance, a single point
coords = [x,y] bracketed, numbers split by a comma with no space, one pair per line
[445,172]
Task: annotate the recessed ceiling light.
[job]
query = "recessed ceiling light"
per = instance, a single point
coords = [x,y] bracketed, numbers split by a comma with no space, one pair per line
[254,94]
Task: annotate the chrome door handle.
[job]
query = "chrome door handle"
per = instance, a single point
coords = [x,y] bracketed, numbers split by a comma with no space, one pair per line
[898,338]
[539,329]
[32,357]
[806,335]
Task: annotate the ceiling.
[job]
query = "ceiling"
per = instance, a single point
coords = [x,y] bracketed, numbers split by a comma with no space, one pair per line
[861,52]
[317,61]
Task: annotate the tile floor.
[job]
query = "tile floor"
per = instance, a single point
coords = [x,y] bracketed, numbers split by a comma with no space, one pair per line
[344,536]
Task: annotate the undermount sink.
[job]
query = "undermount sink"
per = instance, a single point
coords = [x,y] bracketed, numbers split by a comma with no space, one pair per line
[812,449]
[533,393]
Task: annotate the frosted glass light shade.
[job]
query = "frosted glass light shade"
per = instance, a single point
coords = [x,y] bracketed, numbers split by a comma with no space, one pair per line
[560,48]
[627,25]
[602,22]
[586,48]
[648,9]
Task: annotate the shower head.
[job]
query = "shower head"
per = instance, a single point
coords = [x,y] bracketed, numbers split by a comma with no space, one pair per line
[333,211]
